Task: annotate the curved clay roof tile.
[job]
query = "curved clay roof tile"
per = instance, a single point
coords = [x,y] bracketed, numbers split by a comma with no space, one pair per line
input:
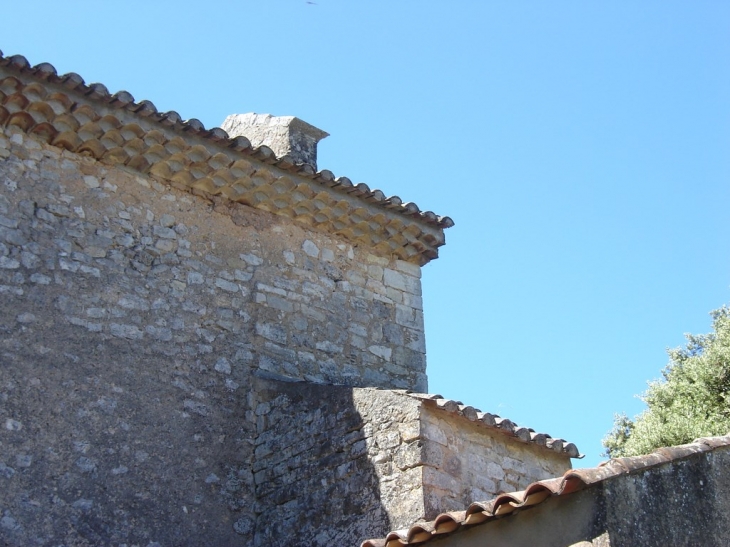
[98,91]
[170,118]
[217,134]
[71,80]
[193,124]
[22,120]
[306,169]
[122,98]
[144,108]
[264,153]
[393,202]
[343,183]
[285,162]
[411,208]
[555,444]
[240,144]
[325,176]
[446,523]
[45,70]
[523,434]
[18,61]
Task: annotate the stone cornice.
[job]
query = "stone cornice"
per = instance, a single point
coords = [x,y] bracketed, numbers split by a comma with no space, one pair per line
[114,129]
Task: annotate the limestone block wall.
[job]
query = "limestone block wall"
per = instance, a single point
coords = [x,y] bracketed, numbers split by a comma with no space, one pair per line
[429,461]
[133,318]
[140,261]
[124,360]
[114,444]
[313,480]
[464,462]
[373,460]
[392,434]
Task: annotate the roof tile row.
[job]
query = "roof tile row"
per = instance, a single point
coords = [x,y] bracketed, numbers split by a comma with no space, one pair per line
[145,108]
[497,423]
[316,198]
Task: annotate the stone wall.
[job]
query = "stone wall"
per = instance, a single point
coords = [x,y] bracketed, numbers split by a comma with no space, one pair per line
[168,354]
[465,462]
[134,316]
[676,504]
[392,435]
[313,478]
[111,443]
[373,460]
[140,261]
[430,461]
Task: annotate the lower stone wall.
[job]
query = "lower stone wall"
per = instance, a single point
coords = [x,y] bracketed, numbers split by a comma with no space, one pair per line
[118,444]
[130,447]
[676,504]
[464,462]
[313,479]
[113,444]
[429,460]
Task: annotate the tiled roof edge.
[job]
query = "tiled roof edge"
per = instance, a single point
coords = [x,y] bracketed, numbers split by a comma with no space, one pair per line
[497,423]
[122,100]
[537,492]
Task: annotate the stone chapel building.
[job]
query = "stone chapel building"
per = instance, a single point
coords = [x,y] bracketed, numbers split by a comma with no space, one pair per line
[205,340]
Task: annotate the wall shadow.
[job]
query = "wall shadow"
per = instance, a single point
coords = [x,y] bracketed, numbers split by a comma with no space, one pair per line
[313,481]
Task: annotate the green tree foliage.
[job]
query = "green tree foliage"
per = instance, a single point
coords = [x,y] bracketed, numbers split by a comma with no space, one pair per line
[692,400]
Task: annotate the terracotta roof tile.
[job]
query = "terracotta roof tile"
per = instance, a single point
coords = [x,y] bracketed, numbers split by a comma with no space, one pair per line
[535,493]
[63,121]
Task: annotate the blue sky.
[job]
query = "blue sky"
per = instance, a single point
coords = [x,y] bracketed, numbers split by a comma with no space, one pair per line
[583,151]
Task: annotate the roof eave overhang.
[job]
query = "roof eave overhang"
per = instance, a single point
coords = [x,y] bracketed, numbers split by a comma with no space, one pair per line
[63,111]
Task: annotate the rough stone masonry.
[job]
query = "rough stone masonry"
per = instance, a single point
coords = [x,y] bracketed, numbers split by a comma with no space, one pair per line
[142,262]
[190,331]
[134,318]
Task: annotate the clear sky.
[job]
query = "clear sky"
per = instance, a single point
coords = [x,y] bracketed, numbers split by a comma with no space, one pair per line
[582,148]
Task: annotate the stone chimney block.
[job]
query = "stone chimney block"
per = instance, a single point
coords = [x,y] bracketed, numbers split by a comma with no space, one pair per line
[285,135]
